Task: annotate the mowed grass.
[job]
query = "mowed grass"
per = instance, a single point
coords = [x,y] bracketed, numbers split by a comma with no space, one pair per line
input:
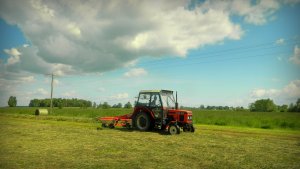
[265,120]
[38,143]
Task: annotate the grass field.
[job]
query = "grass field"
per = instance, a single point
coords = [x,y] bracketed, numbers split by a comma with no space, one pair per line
[265,120]
[35,142]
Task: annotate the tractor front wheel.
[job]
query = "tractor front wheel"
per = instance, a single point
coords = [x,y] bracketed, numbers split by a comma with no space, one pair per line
[192,129]
[174,129]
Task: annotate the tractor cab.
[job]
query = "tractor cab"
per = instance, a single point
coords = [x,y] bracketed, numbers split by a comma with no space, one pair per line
[156,98]
[157,101]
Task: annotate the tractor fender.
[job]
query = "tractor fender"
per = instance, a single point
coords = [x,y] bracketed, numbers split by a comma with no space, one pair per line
[143,109]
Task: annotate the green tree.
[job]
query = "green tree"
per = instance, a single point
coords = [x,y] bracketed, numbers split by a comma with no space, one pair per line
[34,103]
[105,105]
[119,105]
[263,105]
[94,105]
[298,105]
[295,107]
[12,101]
[283,108]
[128,105]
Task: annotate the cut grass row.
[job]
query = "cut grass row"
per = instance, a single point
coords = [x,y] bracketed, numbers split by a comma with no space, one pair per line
[32,143]
[265,120]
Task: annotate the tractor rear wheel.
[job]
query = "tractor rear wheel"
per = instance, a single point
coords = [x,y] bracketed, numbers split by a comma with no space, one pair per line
[142,121]
[174,129]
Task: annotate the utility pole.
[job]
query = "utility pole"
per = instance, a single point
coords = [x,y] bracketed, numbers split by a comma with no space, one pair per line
[51,104]
[52,84]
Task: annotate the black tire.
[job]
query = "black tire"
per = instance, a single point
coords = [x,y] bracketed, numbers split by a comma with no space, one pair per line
[192,129]
[111,126]
[184,129]
[142,122]
[174,129]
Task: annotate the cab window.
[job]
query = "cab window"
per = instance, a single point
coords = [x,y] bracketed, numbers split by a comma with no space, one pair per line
[155,101]
[144,99]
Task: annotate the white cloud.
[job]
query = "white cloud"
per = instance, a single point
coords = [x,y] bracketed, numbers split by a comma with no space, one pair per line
[135,72]
[280,41]
[292,89]
[111,34]
[56,82]
[296,56]
[42,91]
[253,12]
[120,96]
[14,55]
[114,34]
[27,79]
[258,93]
[74,29]
[286,95]
[43,9]
[70,94]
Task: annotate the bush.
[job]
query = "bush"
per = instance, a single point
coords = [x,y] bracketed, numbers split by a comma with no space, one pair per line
[263,105]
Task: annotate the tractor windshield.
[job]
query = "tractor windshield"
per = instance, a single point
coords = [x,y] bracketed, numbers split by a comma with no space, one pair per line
[168,99]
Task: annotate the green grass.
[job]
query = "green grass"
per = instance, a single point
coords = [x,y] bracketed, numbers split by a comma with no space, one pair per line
[39,143]
[264,120]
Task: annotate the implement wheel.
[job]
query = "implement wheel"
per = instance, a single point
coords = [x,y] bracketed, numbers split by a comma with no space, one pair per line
[142,121]
[111,126]
[174,129]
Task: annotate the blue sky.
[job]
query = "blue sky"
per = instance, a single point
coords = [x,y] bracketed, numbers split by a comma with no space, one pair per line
[218,53]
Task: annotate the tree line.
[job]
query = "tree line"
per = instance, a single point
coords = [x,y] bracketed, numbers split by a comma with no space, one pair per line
[262,105]
[59,102]
[202,107]
[105,105]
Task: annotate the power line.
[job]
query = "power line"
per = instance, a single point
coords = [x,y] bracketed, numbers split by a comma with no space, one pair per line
[237,50]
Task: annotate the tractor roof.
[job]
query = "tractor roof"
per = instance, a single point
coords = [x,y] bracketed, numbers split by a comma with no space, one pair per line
[156,91]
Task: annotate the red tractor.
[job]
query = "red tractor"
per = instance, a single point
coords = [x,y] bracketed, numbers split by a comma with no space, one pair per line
[154,109]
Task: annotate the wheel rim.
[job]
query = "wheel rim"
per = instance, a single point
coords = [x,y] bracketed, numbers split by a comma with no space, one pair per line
[173,130]
[141,122]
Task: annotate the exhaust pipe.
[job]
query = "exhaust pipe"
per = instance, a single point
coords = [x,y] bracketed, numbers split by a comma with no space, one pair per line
[176,103]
